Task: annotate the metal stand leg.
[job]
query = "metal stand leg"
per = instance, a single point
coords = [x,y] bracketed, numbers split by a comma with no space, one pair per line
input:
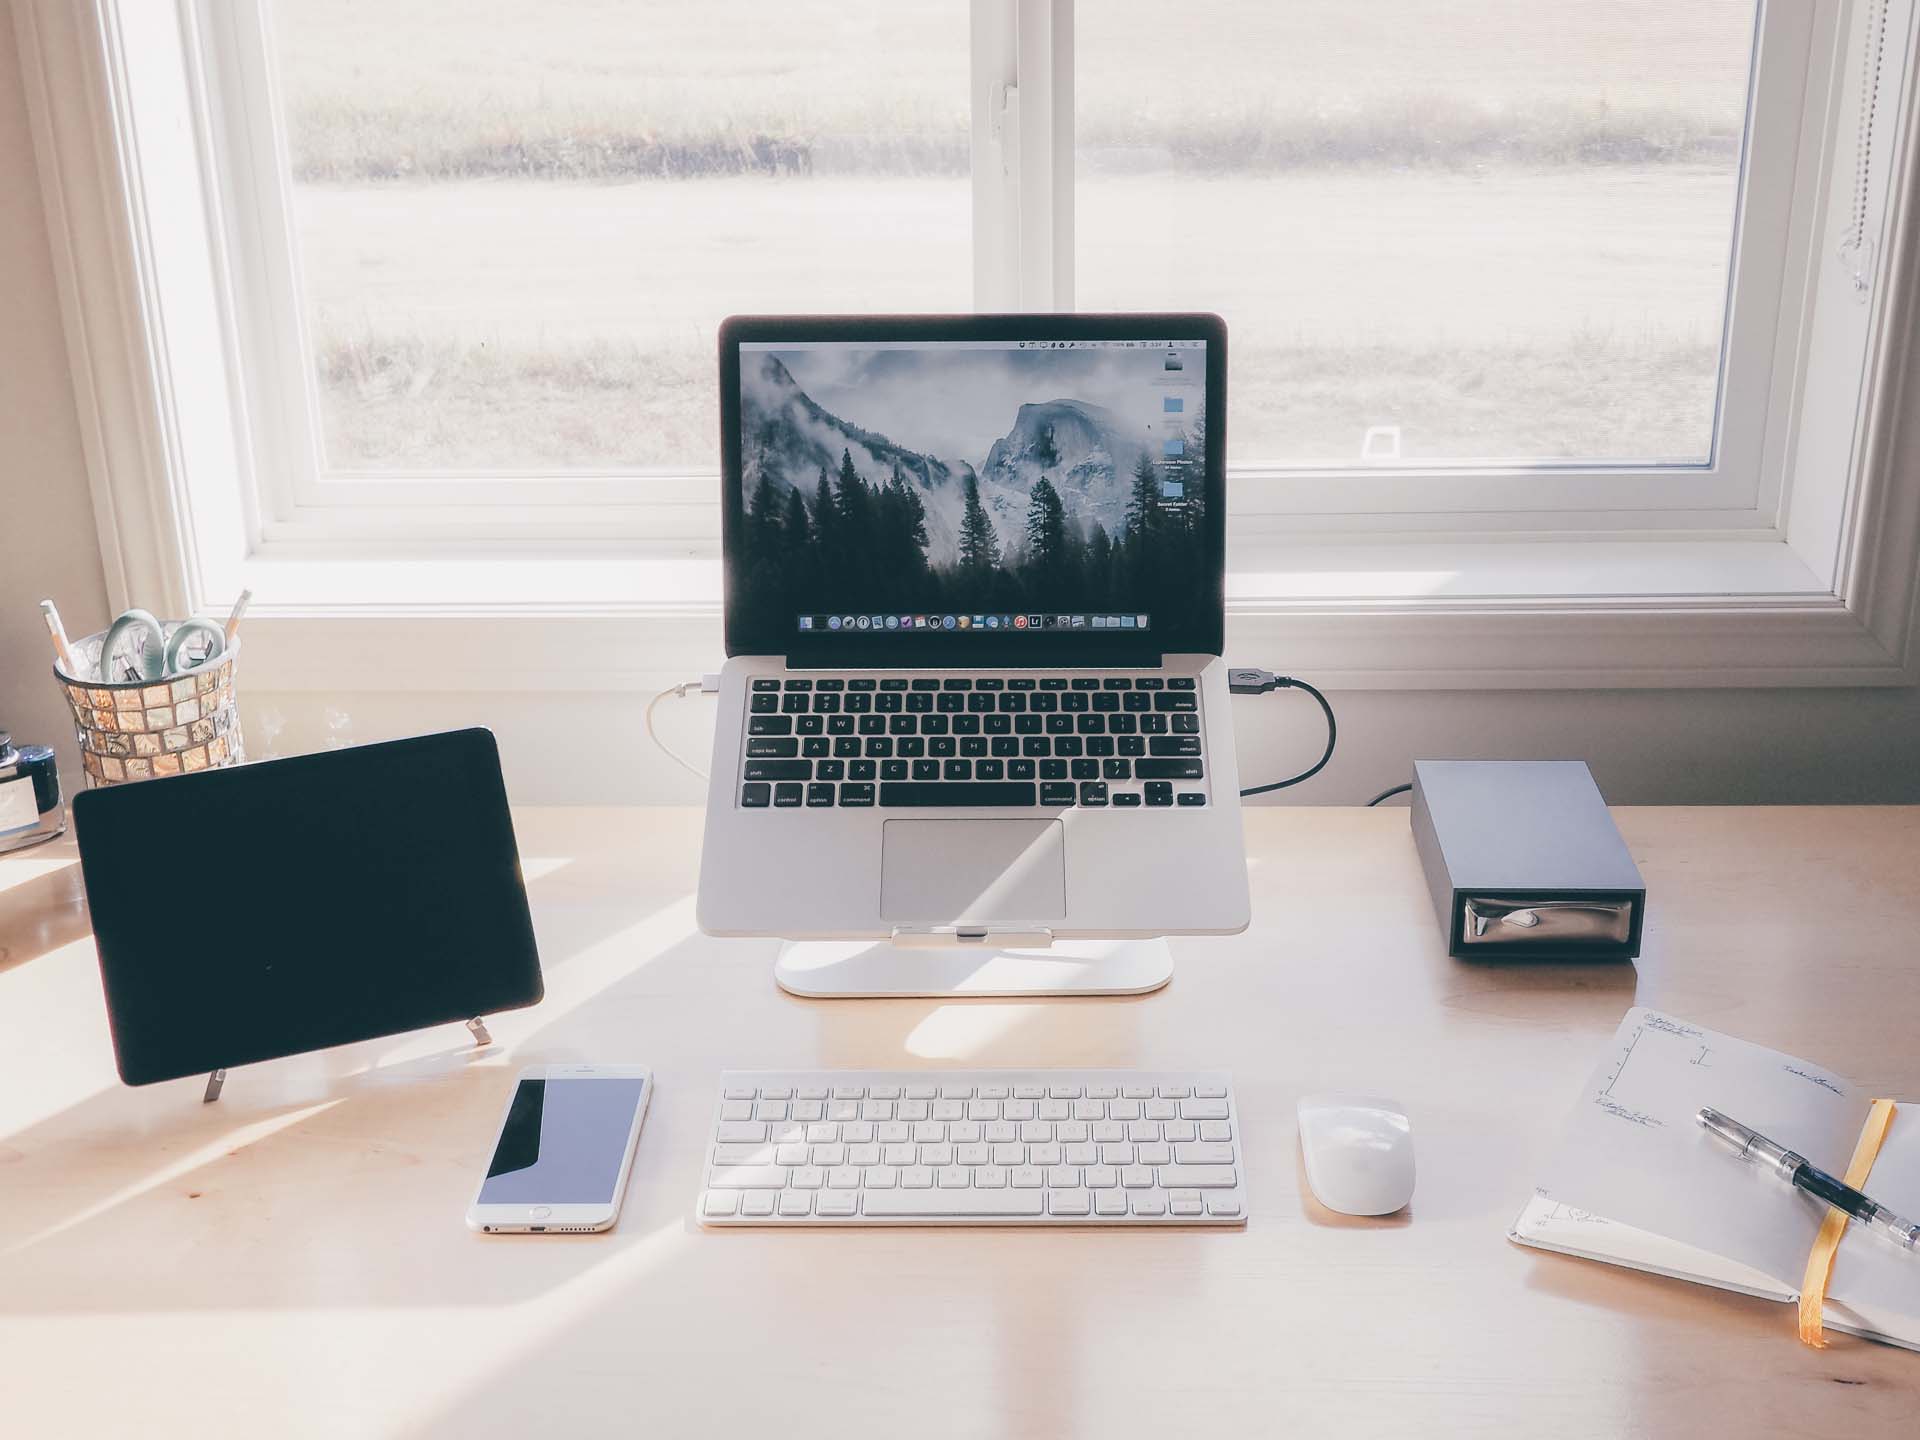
[479,1029]
[214,1081]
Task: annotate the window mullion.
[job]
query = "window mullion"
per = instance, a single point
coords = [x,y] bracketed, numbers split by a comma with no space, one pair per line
[1022,153]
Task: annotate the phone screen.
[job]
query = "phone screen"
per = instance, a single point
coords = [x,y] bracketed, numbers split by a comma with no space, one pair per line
[563,1142]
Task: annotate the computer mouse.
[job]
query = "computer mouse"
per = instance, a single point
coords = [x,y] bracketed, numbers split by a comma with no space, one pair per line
[1359,1152]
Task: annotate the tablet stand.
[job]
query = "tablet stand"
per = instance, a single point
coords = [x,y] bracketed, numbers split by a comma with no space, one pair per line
[959,969]
[217,1081]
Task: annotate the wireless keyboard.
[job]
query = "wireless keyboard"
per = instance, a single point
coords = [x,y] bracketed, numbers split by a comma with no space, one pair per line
[901,741]
[975,1147]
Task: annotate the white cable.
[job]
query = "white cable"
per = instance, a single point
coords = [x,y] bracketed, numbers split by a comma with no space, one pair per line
[676,691]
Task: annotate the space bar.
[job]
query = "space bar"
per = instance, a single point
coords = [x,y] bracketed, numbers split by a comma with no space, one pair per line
[982,792]
[950,1202]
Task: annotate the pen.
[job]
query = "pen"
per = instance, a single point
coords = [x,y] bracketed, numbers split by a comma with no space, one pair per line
[239,609]
[1811,1178]
[59,633]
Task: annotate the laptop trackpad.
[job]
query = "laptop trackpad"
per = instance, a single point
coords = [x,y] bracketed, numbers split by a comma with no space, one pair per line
[970,872]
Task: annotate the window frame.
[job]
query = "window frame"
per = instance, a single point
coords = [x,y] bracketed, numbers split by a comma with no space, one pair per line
[1822,595]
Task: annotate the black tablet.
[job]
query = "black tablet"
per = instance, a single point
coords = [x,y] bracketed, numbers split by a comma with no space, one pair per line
[270,909]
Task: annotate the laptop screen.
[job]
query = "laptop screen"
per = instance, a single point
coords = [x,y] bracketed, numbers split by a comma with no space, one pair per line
[969,490]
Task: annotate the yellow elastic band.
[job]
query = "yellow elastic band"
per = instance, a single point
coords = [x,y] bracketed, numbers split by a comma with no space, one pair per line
[1813,1288]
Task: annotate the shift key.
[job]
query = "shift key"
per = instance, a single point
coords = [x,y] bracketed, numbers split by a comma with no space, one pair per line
[1158,769]
[778,770]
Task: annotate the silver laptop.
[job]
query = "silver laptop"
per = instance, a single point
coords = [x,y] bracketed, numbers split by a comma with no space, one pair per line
[974,606]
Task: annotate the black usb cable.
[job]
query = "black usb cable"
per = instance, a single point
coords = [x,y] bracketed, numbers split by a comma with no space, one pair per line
[1259,682]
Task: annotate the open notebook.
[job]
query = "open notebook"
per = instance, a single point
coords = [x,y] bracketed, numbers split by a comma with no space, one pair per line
[1637,1181]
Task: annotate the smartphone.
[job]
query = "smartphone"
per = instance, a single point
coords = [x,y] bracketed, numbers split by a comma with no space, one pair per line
[566,1144]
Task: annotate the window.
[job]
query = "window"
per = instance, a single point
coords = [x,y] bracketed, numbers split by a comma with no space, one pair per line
[1607,278]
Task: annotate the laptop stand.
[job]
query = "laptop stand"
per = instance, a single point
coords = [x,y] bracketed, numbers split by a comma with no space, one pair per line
[962,969]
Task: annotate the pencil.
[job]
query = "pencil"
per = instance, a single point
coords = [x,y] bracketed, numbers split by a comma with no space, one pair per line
[239,609]
[61,651]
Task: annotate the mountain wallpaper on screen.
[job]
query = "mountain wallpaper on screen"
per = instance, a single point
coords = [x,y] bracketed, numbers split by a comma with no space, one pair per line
[1072,506]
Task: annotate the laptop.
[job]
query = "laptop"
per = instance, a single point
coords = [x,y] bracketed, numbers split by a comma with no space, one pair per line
[975,587]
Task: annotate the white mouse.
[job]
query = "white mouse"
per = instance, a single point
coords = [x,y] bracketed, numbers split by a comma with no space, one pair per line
[1359,1152]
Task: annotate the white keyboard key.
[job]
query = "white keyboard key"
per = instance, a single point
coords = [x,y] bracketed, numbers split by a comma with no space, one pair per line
[1215,1130]
[741,1110]
[1074,1132]
[964,1132]
[1056,1110]
[922,1092]
[787,1134]
[983,1110]
[1143,1130]
[1089,1109]
[914,1110]
[1069,1202]
[720,1202]
[928,1130]
[1174,1092]
[1017,1109]
[990,1177]
[904,1153]
[1036,1131]
[1148,1202]
[883,1092]
[1203,1154]
[1184,1132]
[758,1203]
[1123,1110]
[789,1155]
[949,1110]
[1210,1092]
[863,1155]
[1223,1205]
[916,1177]
[877,1110]
[822,1132]
[1013,1154]
[776,1092]
[941,1154]
[1029,1092]
[857,1132]
[1185,1204]
[796,1202]
[809,1110]
[1137,1177]
[1109,1202]
[993,1092]
[737,1092]
[1101,1177]
[1103,1092]
[849,1092]
[1116,1154]
[893,1132]
[1203,1109]
[1025,1177]
[834,1154]
[1136,1092]
[1161,1110]
[1064,1092]
[837,1204]
[747,1177]
[843,1177]
[811,1092]
[883,1177]
[1106,1132]
[956,1092]
[1000,1131]
[770,1110]
[952,1177]
[843,1110]
[1063,1177]
[744,1155]
[733,1132]
[807,1177]
[1048,1154]
[971,1154]
[1197,1177]
[1085,1153]
[1157,1154]
[916,1203]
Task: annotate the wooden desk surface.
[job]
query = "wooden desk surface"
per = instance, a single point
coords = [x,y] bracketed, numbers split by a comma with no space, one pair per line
[293,1260]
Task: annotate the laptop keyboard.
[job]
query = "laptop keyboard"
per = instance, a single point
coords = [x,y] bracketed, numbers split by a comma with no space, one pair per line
[1122,741]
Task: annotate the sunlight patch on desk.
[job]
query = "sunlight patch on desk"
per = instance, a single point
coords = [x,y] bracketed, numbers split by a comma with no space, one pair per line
[21,869]
[960,1032]
[228,1142]
[539,867]
[607,962]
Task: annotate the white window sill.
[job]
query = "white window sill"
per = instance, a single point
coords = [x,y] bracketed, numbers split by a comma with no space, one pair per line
[1424,615]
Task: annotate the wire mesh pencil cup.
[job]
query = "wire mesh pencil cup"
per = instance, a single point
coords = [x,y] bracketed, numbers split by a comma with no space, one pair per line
[136,729]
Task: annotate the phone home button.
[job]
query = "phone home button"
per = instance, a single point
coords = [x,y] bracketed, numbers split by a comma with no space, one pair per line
[540,1212]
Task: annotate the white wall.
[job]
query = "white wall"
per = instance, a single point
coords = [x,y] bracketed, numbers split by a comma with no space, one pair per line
[1646,747]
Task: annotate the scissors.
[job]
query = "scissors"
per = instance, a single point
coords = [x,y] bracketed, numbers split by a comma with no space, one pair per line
[156,656]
